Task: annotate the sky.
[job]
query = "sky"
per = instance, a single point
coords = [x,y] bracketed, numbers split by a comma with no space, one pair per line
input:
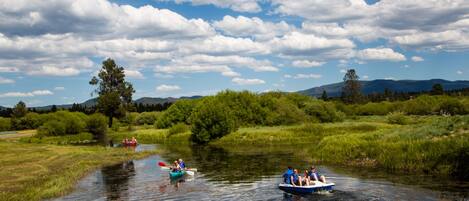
[50,49]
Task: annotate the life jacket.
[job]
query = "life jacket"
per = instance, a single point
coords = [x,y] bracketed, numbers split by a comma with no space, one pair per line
[287,175]
[182,164]
[295,178]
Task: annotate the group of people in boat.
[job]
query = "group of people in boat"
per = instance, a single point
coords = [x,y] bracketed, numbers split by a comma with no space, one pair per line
[178,165]
[131,142]
[293,177]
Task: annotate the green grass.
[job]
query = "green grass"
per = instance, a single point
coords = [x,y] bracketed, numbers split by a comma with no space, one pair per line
[78,139]
[151,136]
[41,171]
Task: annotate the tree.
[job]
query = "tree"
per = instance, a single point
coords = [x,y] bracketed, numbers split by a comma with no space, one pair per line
[115,94]
[20,110]
[324,95]
[437,89]
[53,108]
[352,87]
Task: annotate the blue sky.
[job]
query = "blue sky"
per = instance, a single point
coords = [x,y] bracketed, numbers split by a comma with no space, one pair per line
[50,49]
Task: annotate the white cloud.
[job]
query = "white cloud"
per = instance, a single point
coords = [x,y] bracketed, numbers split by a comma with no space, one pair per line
[167,88]
[4,80]
[252,27]
[386,54]
[296,43]
[134,74]
[54,71]
[59,88]
[250,6]
[390,78]
[343,71]
[307,63]
[417,59]
[223,45]
[242,81]
[459,72]
[26,94]
[303,76]
[365,77]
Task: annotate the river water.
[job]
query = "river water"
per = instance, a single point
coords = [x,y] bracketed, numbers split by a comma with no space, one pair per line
[250,173]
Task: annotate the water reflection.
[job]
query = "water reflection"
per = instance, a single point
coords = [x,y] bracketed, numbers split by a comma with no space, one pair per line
[116,179]
[247,173]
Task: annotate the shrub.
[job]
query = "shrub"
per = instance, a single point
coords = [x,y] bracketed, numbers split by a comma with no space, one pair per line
[180,111]
[74,124]
[452,106]
[211,120]
[397,118]
[31,120]
[129,120]
[97,125]
[244,105]
[52,128]
[5,124]
[421,105]
[323,111]
[178,128]
[148,118]
[282,111]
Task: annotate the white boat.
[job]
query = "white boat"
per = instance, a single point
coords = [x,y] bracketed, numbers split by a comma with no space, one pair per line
[317,187]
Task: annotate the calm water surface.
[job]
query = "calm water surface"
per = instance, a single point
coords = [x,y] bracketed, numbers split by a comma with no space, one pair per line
[250,173]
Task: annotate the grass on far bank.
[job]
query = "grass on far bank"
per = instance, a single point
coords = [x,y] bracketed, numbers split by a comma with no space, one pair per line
[39,171]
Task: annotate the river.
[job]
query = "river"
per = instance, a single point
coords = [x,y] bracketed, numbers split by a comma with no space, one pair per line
[251,173]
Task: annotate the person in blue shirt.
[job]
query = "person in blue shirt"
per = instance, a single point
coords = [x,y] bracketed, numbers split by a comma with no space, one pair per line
[296,179]
[182,164]
[287,175]
[314,175]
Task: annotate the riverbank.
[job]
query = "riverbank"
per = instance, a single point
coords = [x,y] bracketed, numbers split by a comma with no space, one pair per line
[32,171]
[425,144]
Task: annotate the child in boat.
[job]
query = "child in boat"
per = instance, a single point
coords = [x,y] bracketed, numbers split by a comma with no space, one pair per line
[182,164]
[125,141]
[314,175]
[306,179]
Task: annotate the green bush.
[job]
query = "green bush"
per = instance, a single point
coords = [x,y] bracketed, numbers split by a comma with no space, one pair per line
[178,128]
[244,105]
[148,118]
[5,124]
[52,128]
[397,118]
[180,111]
[97,125]
[211,120]
[452,106]
[323,111]
[281,111]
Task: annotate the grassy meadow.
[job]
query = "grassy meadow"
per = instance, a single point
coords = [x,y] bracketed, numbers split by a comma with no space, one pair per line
[36,171]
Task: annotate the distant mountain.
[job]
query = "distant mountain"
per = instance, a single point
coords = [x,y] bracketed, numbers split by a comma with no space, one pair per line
[378,86]
[94,101]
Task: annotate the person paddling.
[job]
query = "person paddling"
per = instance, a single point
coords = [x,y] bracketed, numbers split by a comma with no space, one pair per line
[182,164]
[176,166]
[133,141]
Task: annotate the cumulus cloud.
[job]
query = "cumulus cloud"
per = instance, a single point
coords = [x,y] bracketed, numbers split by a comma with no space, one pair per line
[8,69]
[4,80]
[306,63]
[133,74]
[417,59]
[242,26]
[54,71]
[242,81]
[386,54]
[26,94]
[250,6]
[59,88]
[167,88]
